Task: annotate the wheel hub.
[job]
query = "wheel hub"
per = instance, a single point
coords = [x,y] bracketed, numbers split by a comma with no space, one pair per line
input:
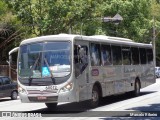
[94,96]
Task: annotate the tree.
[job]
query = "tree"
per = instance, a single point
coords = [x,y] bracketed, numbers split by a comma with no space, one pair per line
[155,13]
[10,35]
[58,16]
[53,17]
[136,18]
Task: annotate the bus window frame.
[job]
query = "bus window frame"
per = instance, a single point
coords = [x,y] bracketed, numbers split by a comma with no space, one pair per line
[130,59]
[102,59]
[99,53]
[142,62]
[139,61]
[115,45]
[149,62]
[79,61]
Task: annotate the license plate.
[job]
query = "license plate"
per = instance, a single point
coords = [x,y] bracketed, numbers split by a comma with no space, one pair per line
[41,98]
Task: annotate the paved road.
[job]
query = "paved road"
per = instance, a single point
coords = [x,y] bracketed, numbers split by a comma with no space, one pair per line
[149,100]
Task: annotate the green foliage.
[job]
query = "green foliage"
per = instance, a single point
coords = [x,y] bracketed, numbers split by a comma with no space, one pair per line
[43,17]
[136,18]
[10,34]
[155,12]
[53,17]
[58,16]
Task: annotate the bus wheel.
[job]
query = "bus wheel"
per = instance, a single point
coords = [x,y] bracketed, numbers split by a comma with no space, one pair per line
[51,106]
[95,97]
[137,88]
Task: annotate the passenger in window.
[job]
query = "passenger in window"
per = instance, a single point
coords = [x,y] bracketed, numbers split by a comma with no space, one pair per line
[80,58]
[83,57]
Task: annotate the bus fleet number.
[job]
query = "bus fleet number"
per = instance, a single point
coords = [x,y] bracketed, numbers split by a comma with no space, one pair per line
[51,87]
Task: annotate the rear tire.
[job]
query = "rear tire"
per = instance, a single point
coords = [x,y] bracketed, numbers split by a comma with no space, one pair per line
[51,106]
[94,102]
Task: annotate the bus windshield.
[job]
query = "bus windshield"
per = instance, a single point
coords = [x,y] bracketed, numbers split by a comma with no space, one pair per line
[45,59]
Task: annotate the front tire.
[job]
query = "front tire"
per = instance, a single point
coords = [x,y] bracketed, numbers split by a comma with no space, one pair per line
[14,95]
[51,106]
[94,102]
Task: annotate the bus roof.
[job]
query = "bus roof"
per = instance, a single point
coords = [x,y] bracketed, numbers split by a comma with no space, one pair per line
[111,38]
[95,38]
[118,41]
[59,37]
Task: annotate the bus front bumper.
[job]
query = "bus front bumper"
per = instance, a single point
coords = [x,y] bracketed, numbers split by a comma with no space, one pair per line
[48,98]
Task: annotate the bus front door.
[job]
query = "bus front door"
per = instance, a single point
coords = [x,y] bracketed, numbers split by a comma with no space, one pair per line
[81,68]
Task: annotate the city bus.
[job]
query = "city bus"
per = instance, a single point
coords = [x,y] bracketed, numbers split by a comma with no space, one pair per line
[73,68]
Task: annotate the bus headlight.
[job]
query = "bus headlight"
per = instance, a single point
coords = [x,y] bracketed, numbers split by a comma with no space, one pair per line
[67,87]
[21,90]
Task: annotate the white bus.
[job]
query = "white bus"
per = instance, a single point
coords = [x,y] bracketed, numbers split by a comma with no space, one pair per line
[73,68]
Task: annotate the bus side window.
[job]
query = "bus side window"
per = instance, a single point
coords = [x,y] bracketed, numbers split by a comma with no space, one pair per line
[76,57]
[106,55]
[80,59]
[143,55]
[135,55]
[83,53]
[126,55]
[150,56]
[117,56]
[95,54]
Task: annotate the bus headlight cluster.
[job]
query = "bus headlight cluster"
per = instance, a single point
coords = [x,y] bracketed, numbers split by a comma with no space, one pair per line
[21,90]
[67,87]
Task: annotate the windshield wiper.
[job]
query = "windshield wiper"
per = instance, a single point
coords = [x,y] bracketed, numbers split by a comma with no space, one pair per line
[33,67]
[53,80]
